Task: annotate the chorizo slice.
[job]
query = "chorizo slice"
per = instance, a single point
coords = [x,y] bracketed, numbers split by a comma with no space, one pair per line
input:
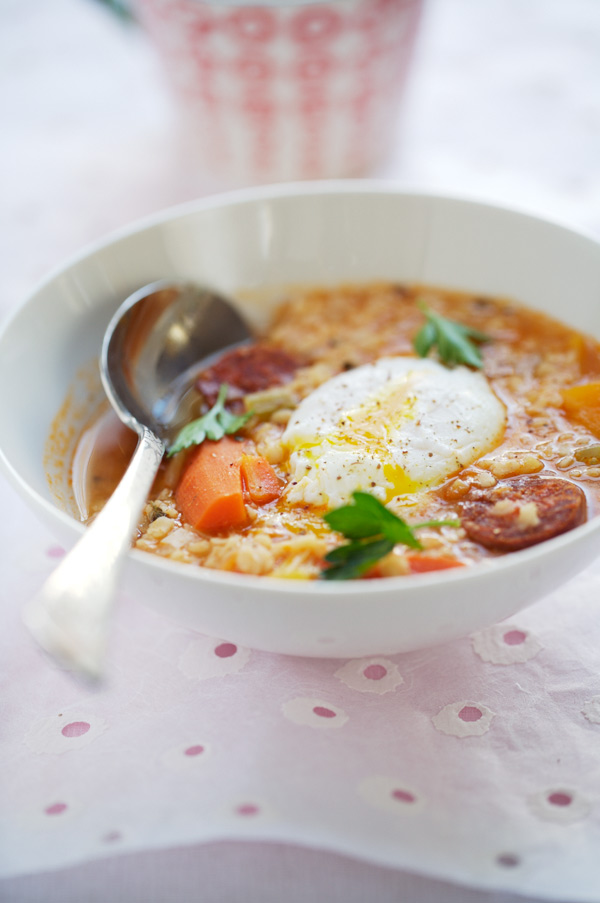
[247,369]
[522,511]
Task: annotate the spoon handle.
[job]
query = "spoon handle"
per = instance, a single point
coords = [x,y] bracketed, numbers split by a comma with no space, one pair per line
[69,616]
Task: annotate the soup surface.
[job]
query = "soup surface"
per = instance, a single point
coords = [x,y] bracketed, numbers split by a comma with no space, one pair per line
[469,427]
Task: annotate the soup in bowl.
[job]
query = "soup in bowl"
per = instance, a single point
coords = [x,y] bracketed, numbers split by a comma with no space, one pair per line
[407,450]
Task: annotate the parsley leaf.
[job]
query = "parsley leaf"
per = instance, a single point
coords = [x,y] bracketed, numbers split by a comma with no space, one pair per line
[215,424]
[455,342]
[355,558]
[373,532]
[368,518]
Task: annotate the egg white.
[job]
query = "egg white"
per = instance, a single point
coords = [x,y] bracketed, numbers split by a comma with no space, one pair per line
[395,427]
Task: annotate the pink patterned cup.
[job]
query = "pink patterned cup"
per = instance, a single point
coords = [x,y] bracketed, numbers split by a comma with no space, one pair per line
[286,90]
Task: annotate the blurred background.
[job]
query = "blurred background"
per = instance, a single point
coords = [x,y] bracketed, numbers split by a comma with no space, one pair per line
[502,101]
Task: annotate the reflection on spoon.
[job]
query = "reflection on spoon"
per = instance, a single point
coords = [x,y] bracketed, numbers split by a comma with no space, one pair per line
[153,347]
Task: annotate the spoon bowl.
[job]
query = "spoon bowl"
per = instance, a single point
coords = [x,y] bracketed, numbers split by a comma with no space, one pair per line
[153,347]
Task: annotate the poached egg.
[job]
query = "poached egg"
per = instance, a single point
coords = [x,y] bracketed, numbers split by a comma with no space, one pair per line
[395,427]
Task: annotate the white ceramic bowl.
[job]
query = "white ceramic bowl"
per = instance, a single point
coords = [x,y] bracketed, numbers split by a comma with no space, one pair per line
[267,237]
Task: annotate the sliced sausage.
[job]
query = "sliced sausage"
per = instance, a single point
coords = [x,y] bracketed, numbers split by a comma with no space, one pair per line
[249,368]
[521,512]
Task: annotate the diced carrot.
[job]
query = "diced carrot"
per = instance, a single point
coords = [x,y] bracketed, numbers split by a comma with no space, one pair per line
[210,494]
[582,404]
[588,354]
[421,564]
[260,479]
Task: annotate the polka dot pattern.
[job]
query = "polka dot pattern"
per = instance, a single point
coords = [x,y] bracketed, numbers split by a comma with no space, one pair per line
[560,804]
[225,650]
[56,809]
[405,754]
[67,731]
[391,795]
[206,658]
[195,750]
[189,756]
[371,675]
[75,729]
[508,860]
[505,644]
[247,810]
[249,813]
[52,810]
[315,713]
[464,719]
[470,713]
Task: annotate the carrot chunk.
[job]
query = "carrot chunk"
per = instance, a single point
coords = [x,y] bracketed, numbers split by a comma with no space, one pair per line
[210,494]
[588,354]
[582,404]
[421,564]
[260,479]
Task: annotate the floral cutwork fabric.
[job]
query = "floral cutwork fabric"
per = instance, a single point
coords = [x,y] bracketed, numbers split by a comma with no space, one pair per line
[371,675]
[464,719]
[391,794]
[206,657]
[476,761]
[64,732]
[317,713]
[560,804]
[505,644]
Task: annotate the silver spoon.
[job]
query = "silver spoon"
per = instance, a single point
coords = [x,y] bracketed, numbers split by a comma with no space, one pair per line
[152,349]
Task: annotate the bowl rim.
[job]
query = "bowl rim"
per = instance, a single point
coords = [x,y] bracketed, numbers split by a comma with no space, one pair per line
[286,586]
[288,190]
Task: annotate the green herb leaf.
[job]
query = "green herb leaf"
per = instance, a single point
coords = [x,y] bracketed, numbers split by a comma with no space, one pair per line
[455,342]
[356,558]
[215,424]
[367,518]
[362,519]
[374,530]
[425,339]
[439,523]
